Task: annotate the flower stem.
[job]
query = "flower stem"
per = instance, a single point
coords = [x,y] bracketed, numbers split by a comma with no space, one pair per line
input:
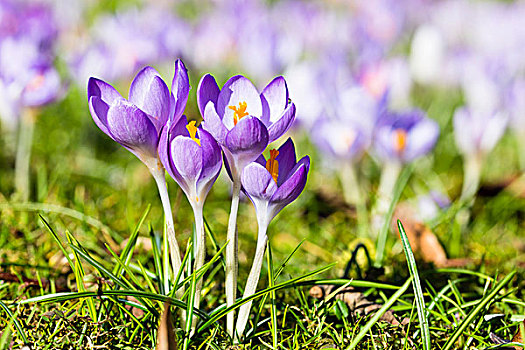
[471,176]
[385,194]
[23,153]
[159,176]
[232,256]
[253,279]
[201,255]
[354,195]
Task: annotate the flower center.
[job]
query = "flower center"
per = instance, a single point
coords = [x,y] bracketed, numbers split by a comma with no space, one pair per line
[36,83]
[192,129]
[400,140]
[272,165]
[239,112]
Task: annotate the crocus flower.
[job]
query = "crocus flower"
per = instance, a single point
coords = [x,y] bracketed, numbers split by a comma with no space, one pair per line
[136,124]
[271,185]
[476,133]
[242,120]
[403,137]
[400,138]
[193,159]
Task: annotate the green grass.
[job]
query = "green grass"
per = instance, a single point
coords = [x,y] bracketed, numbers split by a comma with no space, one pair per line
[82,262]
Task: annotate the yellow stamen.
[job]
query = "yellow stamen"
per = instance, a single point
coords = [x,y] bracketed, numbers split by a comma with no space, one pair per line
[400,140]
[239,112]
[192,129]
[272,165]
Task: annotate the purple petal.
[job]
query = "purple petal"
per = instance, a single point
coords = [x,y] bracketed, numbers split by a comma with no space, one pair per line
[164,149]
[211,155]
[286,160]
[180,88]
[237,90]
[99,112]
[290,189]
[282,125]
[207,91]
[421,139]
[140,85]
[211,163]
[257,182]
[106,92]
[212,123]
[248,136]
[274,100]
[151,94]
[187,158]
[132,128]
[245,143]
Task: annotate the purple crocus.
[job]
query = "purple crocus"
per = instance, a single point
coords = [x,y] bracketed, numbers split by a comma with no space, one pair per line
[193,159]
[476,132]
[274,183]
[271,185]
[242,120]
[403,137]
[400,138]
[136,124]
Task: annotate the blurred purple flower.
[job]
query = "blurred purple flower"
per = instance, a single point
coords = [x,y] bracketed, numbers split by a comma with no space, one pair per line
[405,136]
[137,123]
[477,132]
[242,120]
[192,157]
[274,183]
[515,104]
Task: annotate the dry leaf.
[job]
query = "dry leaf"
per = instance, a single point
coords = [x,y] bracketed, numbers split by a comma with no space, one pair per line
[165,334]
[423,241]
[356,302]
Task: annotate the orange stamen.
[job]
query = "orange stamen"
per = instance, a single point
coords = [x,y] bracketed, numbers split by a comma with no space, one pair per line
[400,140]
[36,82]
[239,112]
[192,129]
[272,165]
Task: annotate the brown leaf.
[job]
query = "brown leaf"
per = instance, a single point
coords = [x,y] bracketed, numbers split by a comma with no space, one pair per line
[356,301]
[165,334]
[517,337]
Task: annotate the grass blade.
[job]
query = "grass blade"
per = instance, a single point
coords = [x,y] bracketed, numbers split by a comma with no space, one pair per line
[383,234]
[15,321]
[221,311]
[271,283]
[127,252]
[416,283]
[472,315]
[378,314]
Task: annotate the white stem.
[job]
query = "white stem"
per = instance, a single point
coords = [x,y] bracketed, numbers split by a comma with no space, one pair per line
[471,176]
[253,279]
[353,195]
[160,178]
[23,153]
[201,255]
[385,194]
[232,256]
